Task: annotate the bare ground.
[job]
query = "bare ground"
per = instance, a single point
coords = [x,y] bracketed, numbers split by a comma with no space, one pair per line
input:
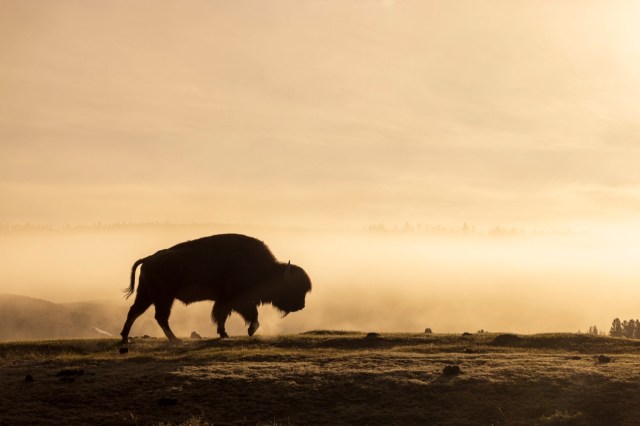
[324,377]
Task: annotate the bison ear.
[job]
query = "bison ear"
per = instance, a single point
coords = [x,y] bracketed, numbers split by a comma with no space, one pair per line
[287,271]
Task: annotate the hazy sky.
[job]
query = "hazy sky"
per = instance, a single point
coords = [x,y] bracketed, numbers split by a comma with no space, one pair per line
[331,116]
[320,113]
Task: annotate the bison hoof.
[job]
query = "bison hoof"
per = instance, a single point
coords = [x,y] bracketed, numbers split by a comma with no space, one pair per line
[124,350]
[223,335]
[253,327]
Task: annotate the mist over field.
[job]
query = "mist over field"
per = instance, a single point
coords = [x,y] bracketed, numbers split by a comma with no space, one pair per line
[391,280]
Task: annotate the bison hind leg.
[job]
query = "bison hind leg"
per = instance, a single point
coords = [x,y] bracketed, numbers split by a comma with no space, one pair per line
[140,305]
[253,327]
[163,310]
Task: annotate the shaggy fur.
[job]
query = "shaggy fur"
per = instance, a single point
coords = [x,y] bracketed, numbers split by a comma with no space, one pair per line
[238,272]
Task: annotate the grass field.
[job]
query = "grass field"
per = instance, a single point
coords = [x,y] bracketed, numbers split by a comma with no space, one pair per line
[324,377]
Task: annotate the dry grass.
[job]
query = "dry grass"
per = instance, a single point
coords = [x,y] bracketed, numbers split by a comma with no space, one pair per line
[323,378]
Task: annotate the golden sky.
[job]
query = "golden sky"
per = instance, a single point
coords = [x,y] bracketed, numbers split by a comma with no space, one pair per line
[320,113]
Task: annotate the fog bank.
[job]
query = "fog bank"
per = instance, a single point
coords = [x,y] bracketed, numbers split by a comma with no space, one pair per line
[362,280]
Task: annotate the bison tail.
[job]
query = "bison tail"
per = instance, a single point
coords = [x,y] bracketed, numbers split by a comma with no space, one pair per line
[129,290]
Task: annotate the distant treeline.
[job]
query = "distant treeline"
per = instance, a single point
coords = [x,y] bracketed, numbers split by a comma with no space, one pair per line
[629,329]
[100,226]
[407,228]
[465,229]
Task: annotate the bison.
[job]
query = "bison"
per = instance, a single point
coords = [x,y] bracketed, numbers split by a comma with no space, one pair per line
[236,271]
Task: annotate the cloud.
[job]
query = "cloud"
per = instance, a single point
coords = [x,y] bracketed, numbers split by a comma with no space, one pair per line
[426,111]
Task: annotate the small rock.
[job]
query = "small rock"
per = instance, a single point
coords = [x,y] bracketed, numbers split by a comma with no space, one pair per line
[451,370]
[372,335]
[166,401]
[465,334]
[29,378]
[195,335]
[602,359]
[507,340]
[575,357]
[428,331]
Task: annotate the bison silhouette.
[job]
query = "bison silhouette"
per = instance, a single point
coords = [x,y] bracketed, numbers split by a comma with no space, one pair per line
[238,272]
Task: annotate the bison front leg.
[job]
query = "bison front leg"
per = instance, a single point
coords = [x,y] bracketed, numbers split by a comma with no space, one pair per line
[250,314]
[219,315]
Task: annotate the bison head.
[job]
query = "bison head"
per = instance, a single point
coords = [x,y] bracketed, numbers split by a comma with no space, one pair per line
[289,291]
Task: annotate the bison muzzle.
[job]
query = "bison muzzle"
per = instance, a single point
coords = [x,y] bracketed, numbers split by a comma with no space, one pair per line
[238,272]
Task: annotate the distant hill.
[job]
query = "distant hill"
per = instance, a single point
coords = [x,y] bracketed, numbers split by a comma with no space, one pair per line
[29,318]
[26,318]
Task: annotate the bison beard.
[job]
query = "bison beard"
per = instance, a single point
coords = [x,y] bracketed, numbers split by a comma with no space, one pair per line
[238,272]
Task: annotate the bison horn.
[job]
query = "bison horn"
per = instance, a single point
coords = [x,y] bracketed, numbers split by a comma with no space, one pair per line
[287,271]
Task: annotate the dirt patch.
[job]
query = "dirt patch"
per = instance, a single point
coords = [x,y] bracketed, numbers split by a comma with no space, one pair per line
[451,370]
[331,333]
